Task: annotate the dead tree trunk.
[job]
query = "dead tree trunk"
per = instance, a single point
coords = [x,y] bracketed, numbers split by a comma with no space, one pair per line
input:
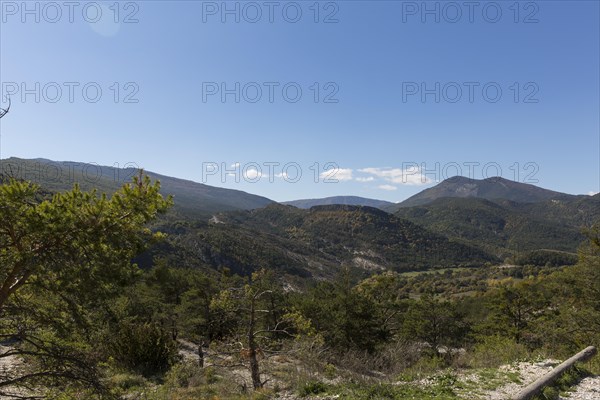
[252,349]
[201,355]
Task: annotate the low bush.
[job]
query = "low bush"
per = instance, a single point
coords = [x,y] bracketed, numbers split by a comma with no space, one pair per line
[144,348]
[311,388]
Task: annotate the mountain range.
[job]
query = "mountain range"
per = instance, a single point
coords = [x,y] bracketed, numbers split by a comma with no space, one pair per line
[502,227]
[493,188]
[459,222]
[344,200]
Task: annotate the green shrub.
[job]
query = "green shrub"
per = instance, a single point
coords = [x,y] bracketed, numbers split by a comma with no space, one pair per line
[312,387]
[570,378]
[143,347]
[183,375]
[210,374]
[262,394]
[125,381]
[330,371]
[425,366]
[380,392]
[593,365]
[493,351]
[384,391]
[446,379]
[550,393]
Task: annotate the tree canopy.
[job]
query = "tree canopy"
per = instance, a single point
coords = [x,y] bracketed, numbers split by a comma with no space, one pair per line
[62,257]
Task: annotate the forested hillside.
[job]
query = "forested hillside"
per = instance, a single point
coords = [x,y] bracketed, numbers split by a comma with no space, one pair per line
[504,227]
[313,243]
[192,199]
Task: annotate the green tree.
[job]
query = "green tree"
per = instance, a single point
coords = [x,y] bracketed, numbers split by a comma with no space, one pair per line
[62,258]
[516,310]
[435,321]
[576,293]
[587,279]
[345,315]
[385,292]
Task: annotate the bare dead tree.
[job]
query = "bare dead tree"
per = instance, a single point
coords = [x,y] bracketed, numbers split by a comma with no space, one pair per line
[4,111]
[260,326]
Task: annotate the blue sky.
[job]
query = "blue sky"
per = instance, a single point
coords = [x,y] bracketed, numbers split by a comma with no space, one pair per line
[392,100]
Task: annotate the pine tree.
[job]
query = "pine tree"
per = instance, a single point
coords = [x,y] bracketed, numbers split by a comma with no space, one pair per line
[62,259]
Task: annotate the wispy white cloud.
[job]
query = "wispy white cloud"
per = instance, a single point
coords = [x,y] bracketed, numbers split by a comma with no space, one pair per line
[340,174]
[248,172]
[387,187]
[409,176]
[592,193]
[365,179]
[254,174]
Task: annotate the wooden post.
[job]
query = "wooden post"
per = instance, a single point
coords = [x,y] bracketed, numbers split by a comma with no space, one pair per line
[548,379]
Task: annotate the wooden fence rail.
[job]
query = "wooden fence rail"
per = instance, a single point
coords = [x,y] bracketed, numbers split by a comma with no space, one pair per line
[551,377]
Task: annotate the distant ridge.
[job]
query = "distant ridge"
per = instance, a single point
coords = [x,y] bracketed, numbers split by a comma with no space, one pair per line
[191,198]
[343,200]
[495,188]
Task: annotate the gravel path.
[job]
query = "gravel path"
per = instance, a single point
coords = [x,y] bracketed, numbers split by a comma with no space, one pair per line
[529,373]
[587,389]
